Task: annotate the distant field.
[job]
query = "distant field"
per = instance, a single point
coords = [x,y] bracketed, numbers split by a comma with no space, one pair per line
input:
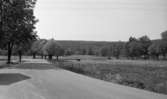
[148,75]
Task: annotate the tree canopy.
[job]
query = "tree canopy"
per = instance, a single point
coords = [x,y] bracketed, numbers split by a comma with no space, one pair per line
[52,48]
[164,35]
[18,20]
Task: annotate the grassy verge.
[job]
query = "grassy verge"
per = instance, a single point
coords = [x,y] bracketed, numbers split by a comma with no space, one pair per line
[152,78]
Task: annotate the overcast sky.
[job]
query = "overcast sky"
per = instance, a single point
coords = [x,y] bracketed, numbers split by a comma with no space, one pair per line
[100,20]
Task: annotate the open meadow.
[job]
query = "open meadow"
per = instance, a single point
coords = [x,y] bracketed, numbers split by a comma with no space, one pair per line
[144,74]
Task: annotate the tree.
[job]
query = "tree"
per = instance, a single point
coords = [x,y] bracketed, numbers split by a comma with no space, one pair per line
[164,39]
[40,46]
[105,51]
[132,39]
[90,51]
[1,32]
[22,49]
[164,35]
[59,52]
[52,48]
[156,49]
[37,47]
[145,43]
[83,51]
[18,21]
[116,49]
[134,48]
[68,52]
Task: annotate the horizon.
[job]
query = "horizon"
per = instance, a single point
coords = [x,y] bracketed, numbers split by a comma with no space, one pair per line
[93,40]
[103,20]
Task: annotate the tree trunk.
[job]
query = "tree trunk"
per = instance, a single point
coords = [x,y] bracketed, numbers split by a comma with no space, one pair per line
[34,56]
[50,57]
[57,58]
[117,57]
[20,56]
[157,56]
[45,56]
[164,56]
[9,53]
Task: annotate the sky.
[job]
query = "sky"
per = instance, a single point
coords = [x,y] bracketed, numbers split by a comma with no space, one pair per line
[100,20]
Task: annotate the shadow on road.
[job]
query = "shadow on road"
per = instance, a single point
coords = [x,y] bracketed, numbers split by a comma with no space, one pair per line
[10,78]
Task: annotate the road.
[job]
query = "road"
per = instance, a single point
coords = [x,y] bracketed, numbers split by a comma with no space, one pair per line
[44,81]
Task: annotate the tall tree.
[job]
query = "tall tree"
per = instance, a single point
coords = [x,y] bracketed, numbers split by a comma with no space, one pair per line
[1,32]
[17,23]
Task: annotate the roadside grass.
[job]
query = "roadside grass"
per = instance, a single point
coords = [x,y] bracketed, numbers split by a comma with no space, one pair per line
[147,75]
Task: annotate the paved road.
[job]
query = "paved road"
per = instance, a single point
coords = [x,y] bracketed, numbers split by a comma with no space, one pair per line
[52,83]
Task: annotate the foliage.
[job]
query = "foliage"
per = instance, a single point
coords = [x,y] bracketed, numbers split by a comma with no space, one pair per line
[145,43]
[138,47]
[164,35]
[91,52]
[68,52]
[18,21]
[37,47]
[158,48]
[116,49]
[52,48]
[105,51]
[134,48]
[59,51]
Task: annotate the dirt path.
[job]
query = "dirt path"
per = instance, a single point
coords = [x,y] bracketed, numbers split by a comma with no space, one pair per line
[44,81]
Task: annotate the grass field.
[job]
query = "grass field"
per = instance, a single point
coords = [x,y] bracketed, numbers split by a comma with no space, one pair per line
[147,75]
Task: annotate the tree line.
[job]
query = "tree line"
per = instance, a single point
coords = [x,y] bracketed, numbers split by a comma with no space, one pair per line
[46,49]
[138,48]
[135,48]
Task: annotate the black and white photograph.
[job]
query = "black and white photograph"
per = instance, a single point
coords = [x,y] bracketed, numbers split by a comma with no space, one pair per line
[83,49]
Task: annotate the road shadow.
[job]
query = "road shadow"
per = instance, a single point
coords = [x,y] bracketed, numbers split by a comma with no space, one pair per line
[11,78]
